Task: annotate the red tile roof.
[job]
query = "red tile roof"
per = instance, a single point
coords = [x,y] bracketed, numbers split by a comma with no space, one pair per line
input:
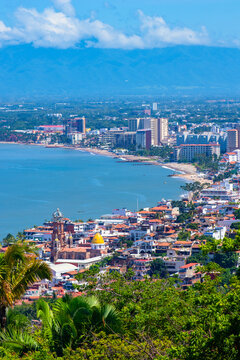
[189,265]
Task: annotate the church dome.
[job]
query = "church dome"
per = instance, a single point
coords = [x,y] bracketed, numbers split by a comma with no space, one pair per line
[97,239]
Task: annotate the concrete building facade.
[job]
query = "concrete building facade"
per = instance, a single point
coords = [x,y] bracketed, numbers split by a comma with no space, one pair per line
[188,152]
[232,139]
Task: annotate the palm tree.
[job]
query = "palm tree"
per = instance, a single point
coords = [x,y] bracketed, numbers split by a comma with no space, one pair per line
[16,336]
[19,268]
[69,321]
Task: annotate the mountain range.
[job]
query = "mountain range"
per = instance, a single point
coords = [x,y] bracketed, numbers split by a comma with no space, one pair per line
[26,71]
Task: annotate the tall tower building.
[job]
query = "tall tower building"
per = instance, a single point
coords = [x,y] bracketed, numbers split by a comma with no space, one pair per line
[159,130]
[154,131]
[138,123]
[232,140]
[133,124]
[75,125]
[81,124]
[143,139]
[58,235]
[238,130]
[163,131]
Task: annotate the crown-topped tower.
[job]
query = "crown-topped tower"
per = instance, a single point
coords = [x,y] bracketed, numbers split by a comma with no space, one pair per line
[57,216]
[58,235]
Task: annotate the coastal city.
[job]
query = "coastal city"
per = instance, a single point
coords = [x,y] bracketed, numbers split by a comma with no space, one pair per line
[173,238]
[120,180]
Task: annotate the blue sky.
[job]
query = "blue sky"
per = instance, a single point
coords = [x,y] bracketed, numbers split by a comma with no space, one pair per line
[126,24]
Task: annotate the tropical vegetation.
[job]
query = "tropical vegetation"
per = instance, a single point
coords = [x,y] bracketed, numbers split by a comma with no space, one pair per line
[117,318]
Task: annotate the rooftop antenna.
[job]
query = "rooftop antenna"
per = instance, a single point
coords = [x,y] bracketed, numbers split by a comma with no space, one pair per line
[137,204]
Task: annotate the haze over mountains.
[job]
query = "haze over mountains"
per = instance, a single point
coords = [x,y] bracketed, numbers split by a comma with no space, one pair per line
[40,72]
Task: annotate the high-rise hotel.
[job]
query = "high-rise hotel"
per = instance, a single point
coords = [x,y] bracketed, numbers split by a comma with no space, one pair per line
[159,130]
[158,127]
[233,139]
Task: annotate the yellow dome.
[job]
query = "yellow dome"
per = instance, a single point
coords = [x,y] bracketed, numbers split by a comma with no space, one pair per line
[97,239]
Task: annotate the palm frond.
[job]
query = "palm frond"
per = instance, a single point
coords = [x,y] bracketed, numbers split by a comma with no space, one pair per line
[110,318]
[3,268]
[34,271]
[45,314]
[14,253]
[92,301]
[18,341]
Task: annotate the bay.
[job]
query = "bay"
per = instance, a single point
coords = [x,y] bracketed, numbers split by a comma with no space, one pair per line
[35,180]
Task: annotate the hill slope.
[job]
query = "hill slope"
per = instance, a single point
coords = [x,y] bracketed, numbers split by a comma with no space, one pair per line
[27,71]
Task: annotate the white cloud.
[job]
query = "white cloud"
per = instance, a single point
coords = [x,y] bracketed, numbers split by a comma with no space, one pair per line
[108,37]
[4,28]
[56,29]
[49,28]
[8,34]
[156,33]
[60,28]
[64,6]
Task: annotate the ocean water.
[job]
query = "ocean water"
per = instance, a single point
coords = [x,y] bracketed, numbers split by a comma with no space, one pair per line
[34,181]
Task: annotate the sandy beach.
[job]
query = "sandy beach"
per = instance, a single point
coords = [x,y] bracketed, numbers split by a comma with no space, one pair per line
[187,171]
[184,171]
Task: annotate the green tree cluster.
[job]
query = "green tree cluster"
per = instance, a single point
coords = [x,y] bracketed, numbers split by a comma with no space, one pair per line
[118,318]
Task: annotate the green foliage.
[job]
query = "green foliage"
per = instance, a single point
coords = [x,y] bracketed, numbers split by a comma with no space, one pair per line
[158,268]
[89,277]
[163,152]
[182,218]
[225,175]
[27,310]
[184,235]
[125,240]
[118,318]
[150,319]
[18,341]
[224,251]
[19,269]
[8,240]
[226,260]
[113,347]
[211,246]
[193,226]
[225,245]
[237,214]
[204,162]
[180,204]
[235,226]
[16,320]
[193,321]
[211,267]
[196,186]
[71,321]
[197,258]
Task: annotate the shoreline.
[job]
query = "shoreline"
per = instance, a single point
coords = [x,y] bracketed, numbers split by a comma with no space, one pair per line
[183,171]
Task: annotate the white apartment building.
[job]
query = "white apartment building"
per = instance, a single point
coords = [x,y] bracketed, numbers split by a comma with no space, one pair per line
[159,130]
[190,151]
[224,191]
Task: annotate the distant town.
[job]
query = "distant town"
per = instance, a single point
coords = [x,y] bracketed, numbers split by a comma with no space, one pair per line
[157,282]
[204,133]
[169,239]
